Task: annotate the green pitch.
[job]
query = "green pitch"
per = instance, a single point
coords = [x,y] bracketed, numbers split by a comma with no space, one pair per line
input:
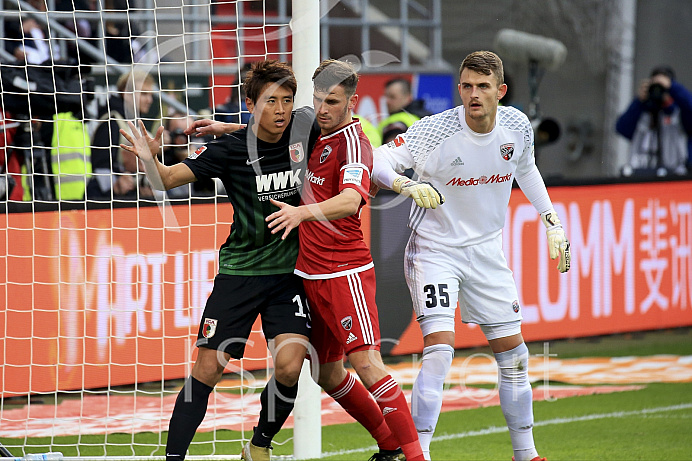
[648,424]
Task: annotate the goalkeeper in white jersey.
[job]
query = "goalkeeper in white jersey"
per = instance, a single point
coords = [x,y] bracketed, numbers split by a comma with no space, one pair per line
[466,159]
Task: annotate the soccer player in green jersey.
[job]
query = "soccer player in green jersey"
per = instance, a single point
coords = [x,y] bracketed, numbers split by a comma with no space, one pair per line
[263,161]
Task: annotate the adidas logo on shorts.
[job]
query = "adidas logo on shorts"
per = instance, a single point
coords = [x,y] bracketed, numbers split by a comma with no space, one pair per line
[351,338]
[457,162]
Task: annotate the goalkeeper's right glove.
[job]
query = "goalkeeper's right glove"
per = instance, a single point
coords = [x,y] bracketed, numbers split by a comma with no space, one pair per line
[424,194]
[558,245]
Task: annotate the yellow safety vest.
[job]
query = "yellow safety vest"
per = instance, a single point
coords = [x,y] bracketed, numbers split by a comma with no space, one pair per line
[406,117]
[70,156]
[374,136]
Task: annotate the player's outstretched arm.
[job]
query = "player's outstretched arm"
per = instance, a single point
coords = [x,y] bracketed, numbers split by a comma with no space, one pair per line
[424,194]
[206,127]
[346,203]
[146,148]
[558,245]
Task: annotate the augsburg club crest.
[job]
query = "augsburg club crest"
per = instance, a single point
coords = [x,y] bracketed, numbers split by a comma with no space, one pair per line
[507,150]
[209,327]
[297,153]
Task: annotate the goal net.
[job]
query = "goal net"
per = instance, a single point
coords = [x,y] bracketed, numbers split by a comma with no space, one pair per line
[103,279]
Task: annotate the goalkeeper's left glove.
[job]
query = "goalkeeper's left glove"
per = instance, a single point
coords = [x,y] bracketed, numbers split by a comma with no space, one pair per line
[558,245]
[424,194]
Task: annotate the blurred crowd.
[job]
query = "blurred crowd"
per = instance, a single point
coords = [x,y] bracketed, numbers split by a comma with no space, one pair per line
[51,150]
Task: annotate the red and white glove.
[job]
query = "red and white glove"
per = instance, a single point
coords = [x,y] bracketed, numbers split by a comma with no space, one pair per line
[558,245]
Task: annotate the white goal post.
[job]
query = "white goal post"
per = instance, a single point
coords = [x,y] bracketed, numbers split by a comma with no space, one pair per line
[100,298]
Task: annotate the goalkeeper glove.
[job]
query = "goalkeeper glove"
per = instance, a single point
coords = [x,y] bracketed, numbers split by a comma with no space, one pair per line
[424,194]
[558,245]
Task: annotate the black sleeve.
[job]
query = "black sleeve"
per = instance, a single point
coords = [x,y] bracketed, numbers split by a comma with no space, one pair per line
[210,160]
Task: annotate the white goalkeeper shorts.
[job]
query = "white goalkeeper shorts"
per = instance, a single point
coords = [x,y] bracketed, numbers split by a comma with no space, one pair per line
[475,276]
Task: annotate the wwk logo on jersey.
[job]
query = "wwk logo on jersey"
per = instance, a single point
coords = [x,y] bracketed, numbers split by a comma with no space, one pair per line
[197,153]
[325,153]
[507,150]
[209,327]
[353,176]
[297,152]
[277,185]
[347,322]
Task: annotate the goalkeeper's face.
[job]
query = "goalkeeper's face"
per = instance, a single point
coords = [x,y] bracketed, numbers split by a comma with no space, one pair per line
[480,95]
[272,112]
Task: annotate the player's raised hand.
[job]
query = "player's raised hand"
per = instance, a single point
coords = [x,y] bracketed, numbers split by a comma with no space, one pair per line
[558,245]
[206,127]
[424,194]
[287,218]
[142,144]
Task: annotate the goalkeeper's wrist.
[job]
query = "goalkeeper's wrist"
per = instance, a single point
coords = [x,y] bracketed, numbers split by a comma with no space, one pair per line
[399,183]
[551,220]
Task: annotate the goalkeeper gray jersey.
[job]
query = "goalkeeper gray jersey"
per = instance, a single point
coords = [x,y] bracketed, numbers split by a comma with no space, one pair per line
[473,171]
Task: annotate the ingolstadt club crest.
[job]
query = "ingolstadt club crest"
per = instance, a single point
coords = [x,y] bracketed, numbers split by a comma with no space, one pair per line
[325,153]
[347,322]
[507,150]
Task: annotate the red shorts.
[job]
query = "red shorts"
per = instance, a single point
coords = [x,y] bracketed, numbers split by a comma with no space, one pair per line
[344,315]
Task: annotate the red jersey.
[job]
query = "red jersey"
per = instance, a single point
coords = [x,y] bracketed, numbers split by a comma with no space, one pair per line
[328,249]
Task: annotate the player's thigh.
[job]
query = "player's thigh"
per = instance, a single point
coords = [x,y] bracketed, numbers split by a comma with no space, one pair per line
[488,294]
[348,308]
[284,307]
[326,346]
[230,312]
[432,278]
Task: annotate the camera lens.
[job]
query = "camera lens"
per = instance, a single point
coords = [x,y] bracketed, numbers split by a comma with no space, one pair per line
[656,94]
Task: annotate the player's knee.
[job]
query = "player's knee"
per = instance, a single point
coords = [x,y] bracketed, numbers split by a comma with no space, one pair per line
[513,365]
[287,374]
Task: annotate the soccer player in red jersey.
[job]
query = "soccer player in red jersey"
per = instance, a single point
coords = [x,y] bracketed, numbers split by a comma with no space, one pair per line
[338,270]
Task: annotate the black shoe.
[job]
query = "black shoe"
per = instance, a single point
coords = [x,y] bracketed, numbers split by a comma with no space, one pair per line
[388,455]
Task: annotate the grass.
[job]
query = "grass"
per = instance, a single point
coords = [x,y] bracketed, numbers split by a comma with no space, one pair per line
[648,424]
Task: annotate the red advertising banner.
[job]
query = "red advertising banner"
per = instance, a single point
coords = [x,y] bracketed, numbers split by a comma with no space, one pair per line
[631,264]
[103,298]
[100,298]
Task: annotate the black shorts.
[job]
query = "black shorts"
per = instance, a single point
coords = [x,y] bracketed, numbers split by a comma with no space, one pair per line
[236,301]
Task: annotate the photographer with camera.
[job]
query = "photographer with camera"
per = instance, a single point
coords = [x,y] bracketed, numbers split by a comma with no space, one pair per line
[659,125]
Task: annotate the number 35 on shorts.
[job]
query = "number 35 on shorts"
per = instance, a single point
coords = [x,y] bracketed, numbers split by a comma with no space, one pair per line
[436,295]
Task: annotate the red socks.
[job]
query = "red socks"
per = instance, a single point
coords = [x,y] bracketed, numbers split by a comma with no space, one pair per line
[392,402]
[356,400]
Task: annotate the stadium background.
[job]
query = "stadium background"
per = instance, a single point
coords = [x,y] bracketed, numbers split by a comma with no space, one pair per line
[580,95]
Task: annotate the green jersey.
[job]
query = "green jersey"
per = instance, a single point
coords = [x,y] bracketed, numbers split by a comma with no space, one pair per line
[253,172]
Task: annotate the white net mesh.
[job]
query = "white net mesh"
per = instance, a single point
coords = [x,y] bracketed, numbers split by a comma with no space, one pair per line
[103,279]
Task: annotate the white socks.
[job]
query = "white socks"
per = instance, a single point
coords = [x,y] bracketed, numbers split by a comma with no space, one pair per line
[426,397]
[516,400]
